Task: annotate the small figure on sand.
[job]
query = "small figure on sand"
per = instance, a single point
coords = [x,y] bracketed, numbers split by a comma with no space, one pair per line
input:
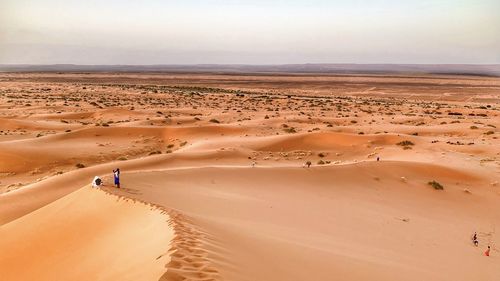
[308,164]
[487,253]
[116,176]
[96,183]
[474,239]
[378,158]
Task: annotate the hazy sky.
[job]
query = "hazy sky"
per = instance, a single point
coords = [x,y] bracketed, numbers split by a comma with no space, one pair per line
[251,32]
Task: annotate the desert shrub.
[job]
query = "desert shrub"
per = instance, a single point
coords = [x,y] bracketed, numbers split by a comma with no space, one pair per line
[183,143]
[155,152]
[436,185]
[473,127]
[405,143]
[321,162]
[122,158]
[80,165]
[290,130]
[489,133]
[215,121]
[170,145]
[321,154]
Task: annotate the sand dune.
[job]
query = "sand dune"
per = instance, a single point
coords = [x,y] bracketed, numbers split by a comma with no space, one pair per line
[86,235]
[329,222]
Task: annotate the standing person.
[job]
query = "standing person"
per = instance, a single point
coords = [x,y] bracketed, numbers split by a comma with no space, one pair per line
[474,239]
[487,253]
[116,176]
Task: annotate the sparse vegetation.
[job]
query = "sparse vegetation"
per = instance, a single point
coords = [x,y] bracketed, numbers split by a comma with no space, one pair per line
[405,143]
[436,185]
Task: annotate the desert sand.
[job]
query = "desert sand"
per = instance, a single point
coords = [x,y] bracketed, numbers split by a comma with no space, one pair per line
[216,186]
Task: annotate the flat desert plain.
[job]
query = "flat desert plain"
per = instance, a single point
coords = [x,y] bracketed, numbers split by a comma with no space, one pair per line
[249,176]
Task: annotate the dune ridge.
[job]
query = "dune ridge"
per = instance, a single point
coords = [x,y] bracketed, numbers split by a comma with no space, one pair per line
[188,257]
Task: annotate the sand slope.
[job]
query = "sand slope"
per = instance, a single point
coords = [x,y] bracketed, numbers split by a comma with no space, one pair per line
[350,222]
[86,235]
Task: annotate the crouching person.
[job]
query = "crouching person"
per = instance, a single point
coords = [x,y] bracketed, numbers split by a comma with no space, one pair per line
[97,182]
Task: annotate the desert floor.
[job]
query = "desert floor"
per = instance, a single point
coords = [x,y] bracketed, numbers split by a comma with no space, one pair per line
[215,184]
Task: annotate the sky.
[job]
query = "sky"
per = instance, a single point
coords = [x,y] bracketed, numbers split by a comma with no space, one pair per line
[249,32]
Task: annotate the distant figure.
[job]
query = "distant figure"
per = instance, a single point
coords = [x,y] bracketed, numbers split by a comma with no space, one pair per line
[308,164]
[474,239]
[96,183]
[116,176]
[487,253]
[378,158]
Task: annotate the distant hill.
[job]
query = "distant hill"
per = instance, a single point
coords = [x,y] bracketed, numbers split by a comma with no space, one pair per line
[459,69]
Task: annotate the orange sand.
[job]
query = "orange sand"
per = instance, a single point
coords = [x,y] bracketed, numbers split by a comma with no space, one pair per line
[221,158]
